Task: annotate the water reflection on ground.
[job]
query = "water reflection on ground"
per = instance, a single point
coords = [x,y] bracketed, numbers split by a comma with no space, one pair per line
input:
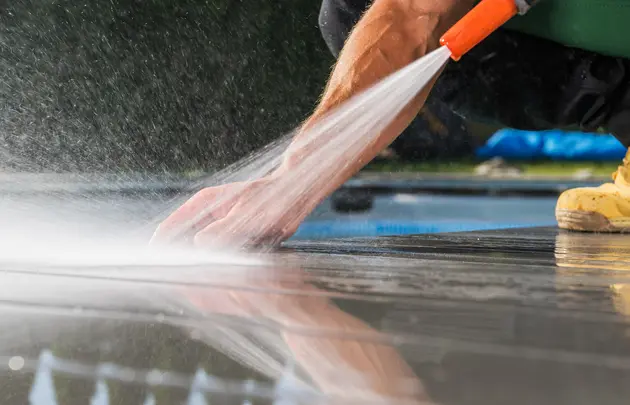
[518,317]
[264,325]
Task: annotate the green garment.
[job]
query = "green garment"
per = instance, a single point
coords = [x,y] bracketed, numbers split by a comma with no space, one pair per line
[601,26]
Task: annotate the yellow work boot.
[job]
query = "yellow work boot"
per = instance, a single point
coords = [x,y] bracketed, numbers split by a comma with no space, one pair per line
[598,209]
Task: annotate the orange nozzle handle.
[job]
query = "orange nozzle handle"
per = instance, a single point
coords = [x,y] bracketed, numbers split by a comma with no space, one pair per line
[475,26]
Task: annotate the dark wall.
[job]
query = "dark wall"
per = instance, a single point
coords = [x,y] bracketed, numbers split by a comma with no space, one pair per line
[153,84]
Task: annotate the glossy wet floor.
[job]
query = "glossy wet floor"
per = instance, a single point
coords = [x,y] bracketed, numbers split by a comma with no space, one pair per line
[522,316]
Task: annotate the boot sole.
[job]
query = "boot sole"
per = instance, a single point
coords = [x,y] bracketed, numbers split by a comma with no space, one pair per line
[586,221]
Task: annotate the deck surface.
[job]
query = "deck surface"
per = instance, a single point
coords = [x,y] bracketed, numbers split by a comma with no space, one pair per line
[521,316]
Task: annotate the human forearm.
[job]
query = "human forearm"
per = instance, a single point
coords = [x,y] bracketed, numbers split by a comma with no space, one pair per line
[392,34]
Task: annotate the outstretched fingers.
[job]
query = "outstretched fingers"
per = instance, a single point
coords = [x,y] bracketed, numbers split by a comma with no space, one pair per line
[237,231]
[197,213]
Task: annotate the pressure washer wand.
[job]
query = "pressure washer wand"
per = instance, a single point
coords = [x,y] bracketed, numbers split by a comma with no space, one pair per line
[485,18]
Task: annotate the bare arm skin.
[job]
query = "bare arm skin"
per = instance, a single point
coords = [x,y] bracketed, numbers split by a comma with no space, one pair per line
[389,36]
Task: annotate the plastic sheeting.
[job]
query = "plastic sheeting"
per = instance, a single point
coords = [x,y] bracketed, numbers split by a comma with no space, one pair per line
[371,228]
[552,144]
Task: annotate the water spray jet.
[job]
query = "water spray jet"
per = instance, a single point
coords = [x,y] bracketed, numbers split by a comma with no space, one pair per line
[268,208]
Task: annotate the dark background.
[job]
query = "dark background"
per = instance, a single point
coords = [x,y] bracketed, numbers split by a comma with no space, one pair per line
[155,84]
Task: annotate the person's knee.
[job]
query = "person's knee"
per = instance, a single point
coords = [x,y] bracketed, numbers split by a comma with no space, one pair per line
[336,20]
[330,26]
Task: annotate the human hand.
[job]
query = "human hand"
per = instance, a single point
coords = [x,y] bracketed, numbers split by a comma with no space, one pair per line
[259,212]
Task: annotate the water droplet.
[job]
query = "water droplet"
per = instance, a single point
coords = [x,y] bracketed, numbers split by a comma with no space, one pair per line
[16,363]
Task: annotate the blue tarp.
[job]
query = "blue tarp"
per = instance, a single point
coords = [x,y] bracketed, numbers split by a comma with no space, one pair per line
[324,229]
[552,144]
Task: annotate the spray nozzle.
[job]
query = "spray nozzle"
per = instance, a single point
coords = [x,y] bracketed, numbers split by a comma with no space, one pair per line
[481,21]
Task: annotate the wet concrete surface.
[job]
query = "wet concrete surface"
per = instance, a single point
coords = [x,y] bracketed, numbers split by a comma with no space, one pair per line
[522,316]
